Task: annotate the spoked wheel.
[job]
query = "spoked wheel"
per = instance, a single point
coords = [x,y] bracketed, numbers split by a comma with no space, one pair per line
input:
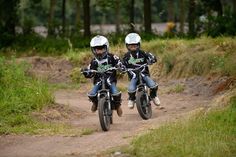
[143,105]
[103,112]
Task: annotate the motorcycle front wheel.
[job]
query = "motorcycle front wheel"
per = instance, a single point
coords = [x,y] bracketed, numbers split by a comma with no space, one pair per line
[143,105]
[103,112]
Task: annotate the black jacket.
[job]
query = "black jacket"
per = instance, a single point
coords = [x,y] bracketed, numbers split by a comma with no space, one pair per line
[110,61]
[135,59]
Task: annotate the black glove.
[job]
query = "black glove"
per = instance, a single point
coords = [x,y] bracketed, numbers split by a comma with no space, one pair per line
[151,58]
[121,67]
[86,72]
[154,60]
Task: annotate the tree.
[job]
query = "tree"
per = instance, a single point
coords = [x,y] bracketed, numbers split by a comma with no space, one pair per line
[215,5]
[182,15]
[51,16]
[132,25]
[117,13]
[63,16]
[147,16]
[234,6]
[86,7]
[191,18]
[8,16]
[170,8]
[77,21]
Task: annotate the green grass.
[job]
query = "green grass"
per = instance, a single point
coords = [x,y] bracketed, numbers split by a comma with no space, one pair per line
[204,135]
[79,56]
[20,96]
[178,88]
[87,131]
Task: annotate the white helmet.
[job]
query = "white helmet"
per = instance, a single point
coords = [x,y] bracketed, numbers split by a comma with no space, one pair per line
[99,41]
[132,38]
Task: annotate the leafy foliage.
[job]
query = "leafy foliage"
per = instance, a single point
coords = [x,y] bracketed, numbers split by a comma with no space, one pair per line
[222,25]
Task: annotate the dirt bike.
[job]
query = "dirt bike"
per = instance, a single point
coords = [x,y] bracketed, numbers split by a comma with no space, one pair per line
[105,101]
[143,103]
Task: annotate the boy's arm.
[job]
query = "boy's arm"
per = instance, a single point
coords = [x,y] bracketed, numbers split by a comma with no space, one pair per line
[87,71]
[125,62]
[150,58]
[118,63]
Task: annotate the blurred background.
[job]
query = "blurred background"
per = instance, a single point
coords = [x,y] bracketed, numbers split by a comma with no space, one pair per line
[59,20]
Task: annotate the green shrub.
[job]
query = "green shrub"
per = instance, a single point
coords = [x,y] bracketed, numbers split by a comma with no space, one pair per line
[222,25]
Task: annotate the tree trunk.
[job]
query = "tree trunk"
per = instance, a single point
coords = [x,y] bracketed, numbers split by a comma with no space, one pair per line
[234,6]
[63,17]
[219,7]
[182,16]
[8,16]
[50,17]
[170,4]
[147,16]
[77,20]
[132,25]
[117,12]
[191,18]
[86,8]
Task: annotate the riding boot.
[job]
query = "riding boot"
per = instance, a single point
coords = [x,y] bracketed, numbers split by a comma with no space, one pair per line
[153,92]
[154,97]
[117,102]
[131,101]
[132,96]
[94,101]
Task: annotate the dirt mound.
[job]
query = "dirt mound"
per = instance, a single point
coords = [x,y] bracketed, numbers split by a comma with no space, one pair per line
[209,86]
[57,112]
[202,86]
[54,70]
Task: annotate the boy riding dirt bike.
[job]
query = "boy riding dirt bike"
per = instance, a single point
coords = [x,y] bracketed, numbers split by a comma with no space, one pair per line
[103,61]
[134,59]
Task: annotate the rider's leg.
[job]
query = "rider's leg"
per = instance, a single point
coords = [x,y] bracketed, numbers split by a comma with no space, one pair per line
[131,91]
[93,97]
[153,90]
[116,98]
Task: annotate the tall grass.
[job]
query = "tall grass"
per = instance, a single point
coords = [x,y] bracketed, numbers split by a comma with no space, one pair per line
[212,134]
[20,94]
[179,57]
[202,56]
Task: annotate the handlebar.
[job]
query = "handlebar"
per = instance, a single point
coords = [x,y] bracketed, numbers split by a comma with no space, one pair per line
[100,72]
[138,68]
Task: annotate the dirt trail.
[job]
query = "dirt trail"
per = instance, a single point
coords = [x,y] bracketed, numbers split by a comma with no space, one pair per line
[121,132]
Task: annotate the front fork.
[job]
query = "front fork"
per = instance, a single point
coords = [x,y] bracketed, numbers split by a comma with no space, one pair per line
[145,89]
[108,100]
